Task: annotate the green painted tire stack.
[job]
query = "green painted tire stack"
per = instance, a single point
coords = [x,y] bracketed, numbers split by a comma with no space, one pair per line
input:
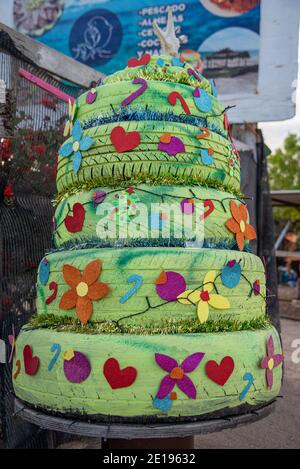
[151,281]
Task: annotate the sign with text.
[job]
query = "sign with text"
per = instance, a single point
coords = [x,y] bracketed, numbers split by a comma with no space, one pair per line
[239,43]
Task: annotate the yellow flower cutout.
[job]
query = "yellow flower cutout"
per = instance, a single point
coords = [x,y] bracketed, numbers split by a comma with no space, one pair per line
[71,115]
[204,297]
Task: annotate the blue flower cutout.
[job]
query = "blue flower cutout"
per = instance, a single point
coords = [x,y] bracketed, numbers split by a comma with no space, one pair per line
[206,157]
[202,100]
[156,222]
[160,61]
[231,274]
[44,271]
[176,62]
[164,405]
[76,146]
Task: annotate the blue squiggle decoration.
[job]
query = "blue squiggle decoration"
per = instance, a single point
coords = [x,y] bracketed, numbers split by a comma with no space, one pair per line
[57,349]
[247,377]
[138,283]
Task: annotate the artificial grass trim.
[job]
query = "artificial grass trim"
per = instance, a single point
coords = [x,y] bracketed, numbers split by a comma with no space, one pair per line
[167,326]
[156,73]
[119,243]
[153,180]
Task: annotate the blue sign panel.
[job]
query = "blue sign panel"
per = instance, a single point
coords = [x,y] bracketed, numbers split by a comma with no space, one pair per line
[220,37]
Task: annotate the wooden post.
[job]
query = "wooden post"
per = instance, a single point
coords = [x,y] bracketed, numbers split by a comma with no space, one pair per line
[51,437]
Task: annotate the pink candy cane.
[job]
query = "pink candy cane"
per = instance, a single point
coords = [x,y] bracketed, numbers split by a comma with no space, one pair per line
[136,93]
[192,72]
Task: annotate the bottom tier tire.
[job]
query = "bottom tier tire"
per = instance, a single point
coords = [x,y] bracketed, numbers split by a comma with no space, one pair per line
[115,377]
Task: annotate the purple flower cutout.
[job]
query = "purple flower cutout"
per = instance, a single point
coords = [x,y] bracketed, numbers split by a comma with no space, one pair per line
[187,206]
[98,197]
[177,374]
[270,361]
[91,96]
[256,287]
[174,146]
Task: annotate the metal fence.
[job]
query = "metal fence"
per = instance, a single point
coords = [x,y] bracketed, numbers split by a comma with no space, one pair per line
[31,123]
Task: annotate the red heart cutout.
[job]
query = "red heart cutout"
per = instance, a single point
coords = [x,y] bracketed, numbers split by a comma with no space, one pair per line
[74,223]
[123,141]
[220,373]
[207,203]
[31,363]
[144,60]
[116,377]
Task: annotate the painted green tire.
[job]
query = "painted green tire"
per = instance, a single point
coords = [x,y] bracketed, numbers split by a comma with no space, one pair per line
[166,72]
[110,96]
[103,161]
[213,231]
[52,391]
[119,264]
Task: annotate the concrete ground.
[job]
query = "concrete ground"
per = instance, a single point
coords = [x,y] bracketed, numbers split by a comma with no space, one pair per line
[289,302]
[280,430]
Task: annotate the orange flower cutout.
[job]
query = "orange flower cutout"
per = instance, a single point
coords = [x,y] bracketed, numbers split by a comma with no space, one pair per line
[84,289]
[238,224]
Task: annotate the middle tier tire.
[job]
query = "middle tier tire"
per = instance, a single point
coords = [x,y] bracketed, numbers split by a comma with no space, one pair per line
[149,212]
[158,277]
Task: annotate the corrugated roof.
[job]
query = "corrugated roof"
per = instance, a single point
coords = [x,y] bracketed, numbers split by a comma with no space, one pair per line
[285,198]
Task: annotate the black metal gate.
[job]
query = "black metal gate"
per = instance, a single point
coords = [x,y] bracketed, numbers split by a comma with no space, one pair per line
[31,123]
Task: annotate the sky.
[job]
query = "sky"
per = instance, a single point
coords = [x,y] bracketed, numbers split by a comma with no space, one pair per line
[275,132]
[227,38]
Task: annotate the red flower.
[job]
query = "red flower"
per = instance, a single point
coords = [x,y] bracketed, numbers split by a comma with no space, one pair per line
[8,192]
[5,149]
[40,149]
[49,103]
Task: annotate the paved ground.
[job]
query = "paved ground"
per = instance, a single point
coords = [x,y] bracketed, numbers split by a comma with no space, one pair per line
[280,430]
[289,304]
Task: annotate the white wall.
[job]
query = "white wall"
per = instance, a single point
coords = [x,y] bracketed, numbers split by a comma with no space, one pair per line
[278,66]
[275,132]
[6,12]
